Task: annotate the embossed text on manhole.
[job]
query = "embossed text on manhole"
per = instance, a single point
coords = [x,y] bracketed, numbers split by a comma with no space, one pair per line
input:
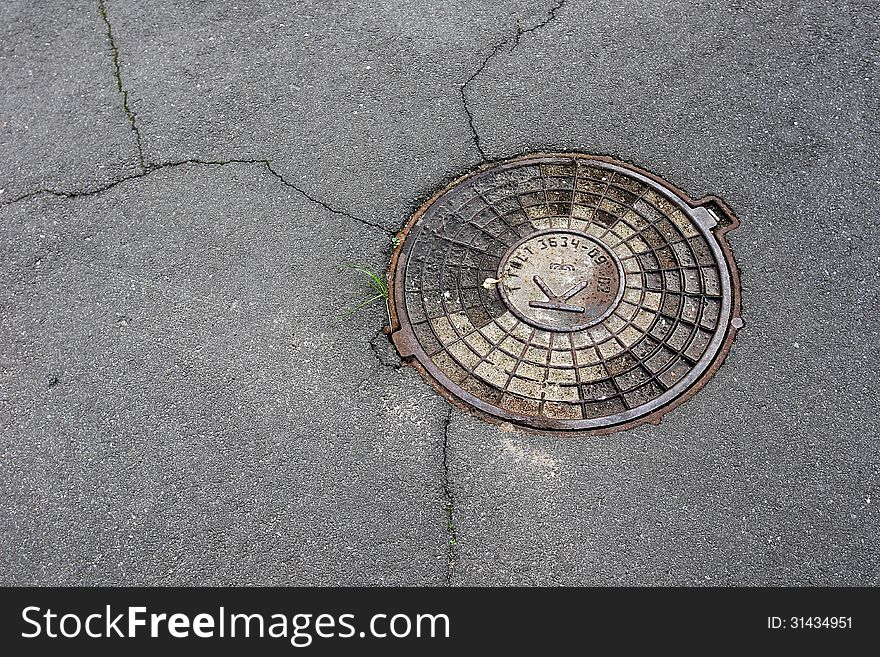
[565,293]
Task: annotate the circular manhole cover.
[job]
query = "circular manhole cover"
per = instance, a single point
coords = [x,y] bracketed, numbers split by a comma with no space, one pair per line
[565,292]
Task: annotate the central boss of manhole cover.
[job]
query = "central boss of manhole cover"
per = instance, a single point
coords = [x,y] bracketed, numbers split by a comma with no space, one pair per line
[565,293]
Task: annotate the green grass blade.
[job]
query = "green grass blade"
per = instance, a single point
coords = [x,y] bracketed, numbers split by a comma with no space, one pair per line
[354,309]
[376,283]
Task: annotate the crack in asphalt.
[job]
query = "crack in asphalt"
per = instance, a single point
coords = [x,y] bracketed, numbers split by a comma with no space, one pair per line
[449,496]
[446,480]
[382,358]
[498,47]
[551,16]
[462,90]
[150,168]
[117,72]
[324,205]
[147,168]
[383,361]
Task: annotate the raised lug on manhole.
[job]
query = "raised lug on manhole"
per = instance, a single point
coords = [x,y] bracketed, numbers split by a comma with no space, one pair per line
[565,293]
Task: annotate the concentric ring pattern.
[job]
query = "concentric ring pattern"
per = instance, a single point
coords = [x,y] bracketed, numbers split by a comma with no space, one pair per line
[668,314]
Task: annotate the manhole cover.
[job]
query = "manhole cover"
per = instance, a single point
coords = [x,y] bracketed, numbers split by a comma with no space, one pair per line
[565,293]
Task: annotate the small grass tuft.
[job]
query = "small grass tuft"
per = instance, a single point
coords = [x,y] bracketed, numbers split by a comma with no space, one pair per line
[378,290]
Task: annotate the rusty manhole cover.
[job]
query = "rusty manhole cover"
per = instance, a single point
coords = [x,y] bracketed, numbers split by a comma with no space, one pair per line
[565,293]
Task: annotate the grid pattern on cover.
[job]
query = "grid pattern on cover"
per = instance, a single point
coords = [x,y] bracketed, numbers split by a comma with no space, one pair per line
[659,329]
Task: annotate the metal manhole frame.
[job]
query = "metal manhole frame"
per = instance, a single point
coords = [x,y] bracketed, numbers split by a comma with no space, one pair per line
[412,353]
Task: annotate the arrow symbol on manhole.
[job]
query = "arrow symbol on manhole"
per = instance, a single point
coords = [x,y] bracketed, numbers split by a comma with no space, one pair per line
[557,301]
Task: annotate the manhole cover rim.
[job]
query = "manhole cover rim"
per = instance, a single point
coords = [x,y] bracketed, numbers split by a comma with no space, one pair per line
[723,221]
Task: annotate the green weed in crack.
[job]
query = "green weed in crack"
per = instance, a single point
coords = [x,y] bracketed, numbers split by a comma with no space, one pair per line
[377,289]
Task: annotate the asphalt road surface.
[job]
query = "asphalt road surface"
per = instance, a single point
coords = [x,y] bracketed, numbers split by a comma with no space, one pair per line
[182,182]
